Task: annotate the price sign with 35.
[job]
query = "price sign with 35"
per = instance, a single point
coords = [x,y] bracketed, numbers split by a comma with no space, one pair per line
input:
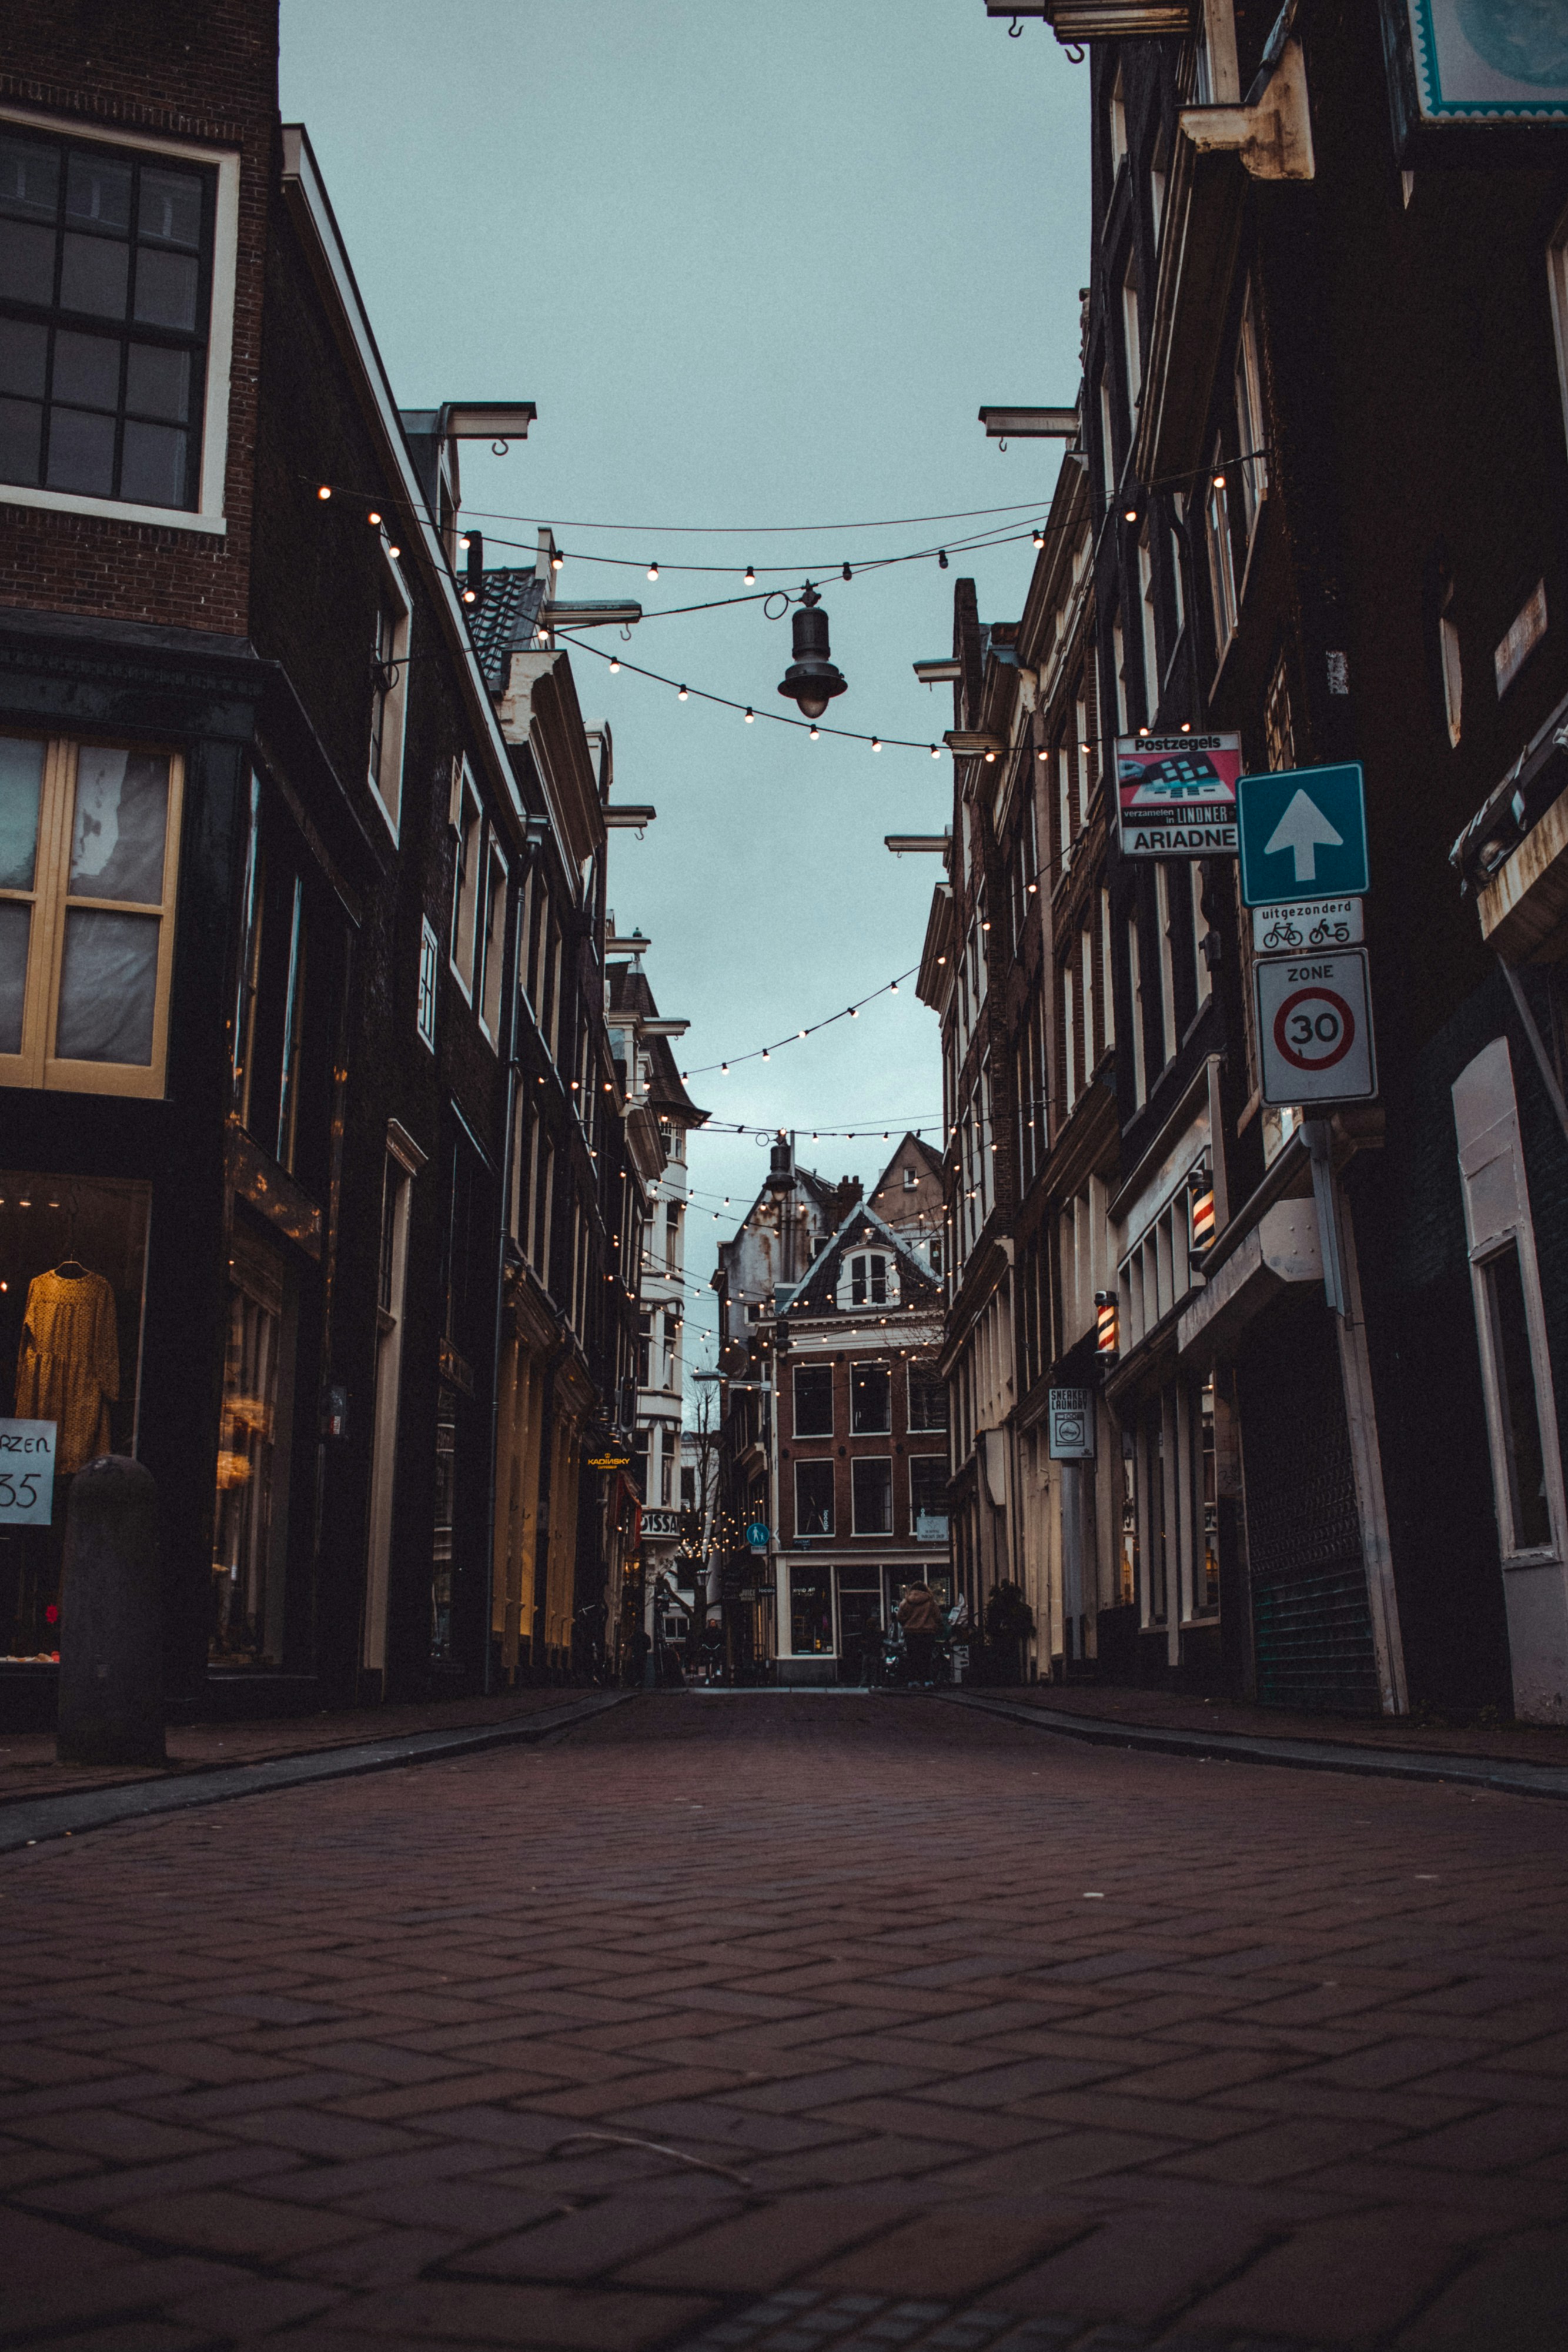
[26,1473]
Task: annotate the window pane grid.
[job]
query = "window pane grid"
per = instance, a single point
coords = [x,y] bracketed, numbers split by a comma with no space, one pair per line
[104,287]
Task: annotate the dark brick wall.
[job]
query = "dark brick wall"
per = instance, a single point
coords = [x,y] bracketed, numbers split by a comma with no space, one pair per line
[204,71]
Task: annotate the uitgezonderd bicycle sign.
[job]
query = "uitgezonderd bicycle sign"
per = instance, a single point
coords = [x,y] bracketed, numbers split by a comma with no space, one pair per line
[1314,1028]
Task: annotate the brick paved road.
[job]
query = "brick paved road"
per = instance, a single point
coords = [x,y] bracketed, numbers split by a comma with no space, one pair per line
[944,2034]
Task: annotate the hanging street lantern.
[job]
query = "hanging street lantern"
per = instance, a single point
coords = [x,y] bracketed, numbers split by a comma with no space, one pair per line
[811,679]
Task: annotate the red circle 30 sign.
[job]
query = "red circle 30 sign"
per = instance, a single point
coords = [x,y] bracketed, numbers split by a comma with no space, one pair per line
[1314,1028]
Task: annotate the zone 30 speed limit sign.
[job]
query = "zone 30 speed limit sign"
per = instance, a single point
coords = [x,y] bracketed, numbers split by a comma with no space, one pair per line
[1314,1028]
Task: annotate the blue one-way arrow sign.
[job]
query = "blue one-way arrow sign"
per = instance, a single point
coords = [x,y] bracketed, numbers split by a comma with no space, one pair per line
[1303,829]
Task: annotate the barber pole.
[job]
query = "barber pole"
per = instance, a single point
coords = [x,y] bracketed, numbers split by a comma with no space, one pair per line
[1200,1207]
[1105,1322]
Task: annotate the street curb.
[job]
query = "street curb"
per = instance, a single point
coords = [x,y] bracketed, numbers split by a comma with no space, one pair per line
[34,1821]
[1296,1754]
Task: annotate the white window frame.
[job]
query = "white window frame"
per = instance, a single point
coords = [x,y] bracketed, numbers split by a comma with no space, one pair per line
[815,1462]
[429,966]
[1151,632]
[1131,341]
[1497,1219]
[386,776]
[491,951]
[1221,559]
[1202,975]
[1167,960]
[884,1534]
[467,882]
[1557,279]
[1249,419]
[1452,667]
[1135,996]
[209,516]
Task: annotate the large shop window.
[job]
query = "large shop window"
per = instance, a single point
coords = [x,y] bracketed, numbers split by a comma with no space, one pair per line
[810,1612]
[250,1539]
[73,1254]
[88,850]
[106,307]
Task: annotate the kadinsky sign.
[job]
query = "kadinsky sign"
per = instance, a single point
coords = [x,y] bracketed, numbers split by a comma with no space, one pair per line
[1177,794]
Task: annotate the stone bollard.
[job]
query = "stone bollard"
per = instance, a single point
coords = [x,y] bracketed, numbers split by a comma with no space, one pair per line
[112,1619]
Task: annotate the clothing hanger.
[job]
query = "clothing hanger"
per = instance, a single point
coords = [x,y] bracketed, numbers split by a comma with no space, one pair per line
[70,1268]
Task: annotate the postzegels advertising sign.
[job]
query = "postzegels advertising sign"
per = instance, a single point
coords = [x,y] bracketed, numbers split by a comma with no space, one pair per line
[1177,794]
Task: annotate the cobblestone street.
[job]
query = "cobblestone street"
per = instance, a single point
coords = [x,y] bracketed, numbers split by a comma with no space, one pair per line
[794,2022]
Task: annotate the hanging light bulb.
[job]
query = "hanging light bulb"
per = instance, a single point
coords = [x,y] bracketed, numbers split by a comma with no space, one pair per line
[751,576]
[767,1055]
[681,694]
[325,491]
[373,519]
[942,559]
[614,663]
[1040,539]
[653,571]
[463,539]
[724,1069]
[750,715]
[394,551]
[557,559]
[893,988]
[815,735]
[876,742]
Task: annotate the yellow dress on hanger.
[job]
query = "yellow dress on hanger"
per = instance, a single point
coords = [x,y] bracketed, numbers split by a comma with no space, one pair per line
[68,1370]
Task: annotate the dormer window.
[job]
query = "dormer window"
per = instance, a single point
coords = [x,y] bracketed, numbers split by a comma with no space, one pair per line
[868,1279]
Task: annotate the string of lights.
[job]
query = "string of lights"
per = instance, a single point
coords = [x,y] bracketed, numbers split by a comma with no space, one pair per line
[766,529]
[685,693]
[376,506]
[766,1053]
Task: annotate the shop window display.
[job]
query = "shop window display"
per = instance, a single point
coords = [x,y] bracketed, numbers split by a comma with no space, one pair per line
[73,1254]
[250,1540]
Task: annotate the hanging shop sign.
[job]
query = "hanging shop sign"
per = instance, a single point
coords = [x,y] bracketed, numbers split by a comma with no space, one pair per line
[1303,830]
[1177,794]
[609,1461]
[1073,1424]
[1489,61]
[1297,924]
[1314,1028]
[26,1473]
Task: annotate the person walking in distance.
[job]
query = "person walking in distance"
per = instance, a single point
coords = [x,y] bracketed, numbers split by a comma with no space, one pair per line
[920,1614]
